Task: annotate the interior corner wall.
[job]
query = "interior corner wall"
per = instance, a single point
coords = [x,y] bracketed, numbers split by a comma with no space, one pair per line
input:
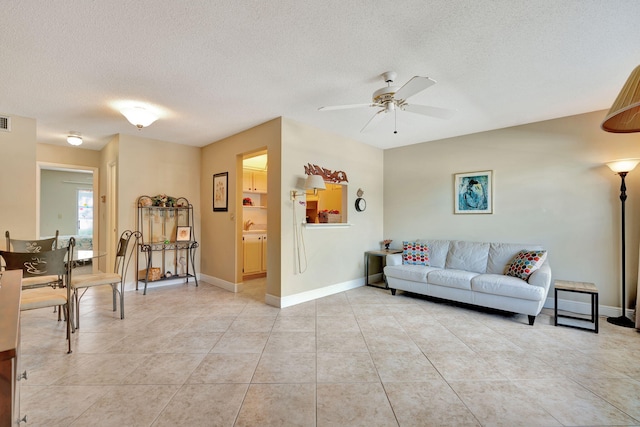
[222,231]
[550,187]
[331,256]
[18,167]
[150,167]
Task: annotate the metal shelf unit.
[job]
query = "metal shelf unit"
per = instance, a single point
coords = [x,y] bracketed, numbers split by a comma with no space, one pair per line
[159,245]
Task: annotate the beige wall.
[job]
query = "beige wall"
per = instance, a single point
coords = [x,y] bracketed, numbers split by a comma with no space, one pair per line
[221,231]
[550,187]
[334,255]
[18,179]
[150,167]
[75,156]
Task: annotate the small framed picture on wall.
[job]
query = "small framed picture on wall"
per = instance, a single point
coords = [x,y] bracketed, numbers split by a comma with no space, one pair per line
[473,192]
[221,192]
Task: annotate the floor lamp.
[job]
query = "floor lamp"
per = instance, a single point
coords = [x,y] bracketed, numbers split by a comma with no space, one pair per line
[624,117]
[622,168]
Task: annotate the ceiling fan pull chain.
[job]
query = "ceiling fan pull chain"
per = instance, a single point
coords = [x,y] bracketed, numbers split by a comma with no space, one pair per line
[395,121]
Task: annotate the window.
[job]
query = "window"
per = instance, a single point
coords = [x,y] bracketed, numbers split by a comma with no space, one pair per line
[85,212]
[328,206]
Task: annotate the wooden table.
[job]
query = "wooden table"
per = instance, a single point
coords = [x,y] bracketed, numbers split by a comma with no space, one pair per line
[582,288]
[10,288]
[379,253]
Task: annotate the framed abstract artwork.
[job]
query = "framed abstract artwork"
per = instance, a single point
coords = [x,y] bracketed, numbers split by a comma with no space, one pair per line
[473,192]
[221,192]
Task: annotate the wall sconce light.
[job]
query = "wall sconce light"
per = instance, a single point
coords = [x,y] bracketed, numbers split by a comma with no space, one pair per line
[138,116]
[313,182]
[74,138]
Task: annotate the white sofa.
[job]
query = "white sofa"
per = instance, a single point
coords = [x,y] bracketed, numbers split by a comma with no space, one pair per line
[472,273]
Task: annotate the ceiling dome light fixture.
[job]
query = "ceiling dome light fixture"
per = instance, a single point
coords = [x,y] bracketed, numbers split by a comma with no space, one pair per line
[74,138]
[139,116]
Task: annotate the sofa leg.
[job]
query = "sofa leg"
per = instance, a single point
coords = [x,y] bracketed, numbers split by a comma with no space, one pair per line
[393,291]
[531,320]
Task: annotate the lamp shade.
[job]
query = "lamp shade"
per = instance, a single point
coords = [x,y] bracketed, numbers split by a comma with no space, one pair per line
[624,165]
[624,115]
[138,116]
[314,182]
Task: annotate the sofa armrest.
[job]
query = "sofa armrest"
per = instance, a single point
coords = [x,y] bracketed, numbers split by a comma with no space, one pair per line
[394,259]
[541,277]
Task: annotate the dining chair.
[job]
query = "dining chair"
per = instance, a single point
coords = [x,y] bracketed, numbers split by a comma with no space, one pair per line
[34,246]
[80,284]
[57,263]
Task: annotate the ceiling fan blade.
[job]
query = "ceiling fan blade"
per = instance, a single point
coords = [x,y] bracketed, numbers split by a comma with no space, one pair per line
[375,119]
[413,86]
[344,107]
[440,113]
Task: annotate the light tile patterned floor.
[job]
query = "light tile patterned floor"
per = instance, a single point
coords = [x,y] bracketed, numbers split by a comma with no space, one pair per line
[187,356]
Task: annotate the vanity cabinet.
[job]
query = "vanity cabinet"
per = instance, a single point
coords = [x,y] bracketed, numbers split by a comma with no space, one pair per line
[254,253]
[254,181]
[10,376]
[168,243]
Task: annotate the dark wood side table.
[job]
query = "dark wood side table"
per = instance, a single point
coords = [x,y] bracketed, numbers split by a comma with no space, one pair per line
[582,288]
[379,253]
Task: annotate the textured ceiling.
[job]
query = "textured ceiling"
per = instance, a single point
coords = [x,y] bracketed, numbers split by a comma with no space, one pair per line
[215,68]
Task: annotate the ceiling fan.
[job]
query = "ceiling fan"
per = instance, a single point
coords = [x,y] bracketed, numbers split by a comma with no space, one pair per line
[392,98]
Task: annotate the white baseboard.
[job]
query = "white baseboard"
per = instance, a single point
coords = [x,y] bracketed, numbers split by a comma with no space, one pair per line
[580,307]
[226,285]
[311,295]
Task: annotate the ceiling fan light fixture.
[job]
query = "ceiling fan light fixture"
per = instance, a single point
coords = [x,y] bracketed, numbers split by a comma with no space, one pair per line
[138,116]
[74,138]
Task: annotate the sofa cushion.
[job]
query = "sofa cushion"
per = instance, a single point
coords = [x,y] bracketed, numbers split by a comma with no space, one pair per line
[469,256]
[498,284]
[501,254]
[525,262]
[415,273]
[438,250]
[415,253]
[460,279]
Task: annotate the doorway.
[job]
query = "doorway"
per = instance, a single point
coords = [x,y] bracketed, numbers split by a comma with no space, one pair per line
[66,201]
[254,215]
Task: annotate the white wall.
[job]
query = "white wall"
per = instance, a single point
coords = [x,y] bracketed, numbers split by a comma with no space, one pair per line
[550,187]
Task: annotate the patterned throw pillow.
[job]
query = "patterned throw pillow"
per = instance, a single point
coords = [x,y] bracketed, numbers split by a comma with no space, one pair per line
[415,253]
[525,263]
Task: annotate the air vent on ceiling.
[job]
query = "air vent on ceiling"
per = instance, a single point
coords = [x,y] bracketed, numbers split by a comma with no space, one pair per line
[5,123]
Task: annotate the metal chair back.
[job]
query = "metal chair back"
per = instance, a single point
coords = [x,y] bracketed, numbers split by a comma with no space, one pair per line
[31,246]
